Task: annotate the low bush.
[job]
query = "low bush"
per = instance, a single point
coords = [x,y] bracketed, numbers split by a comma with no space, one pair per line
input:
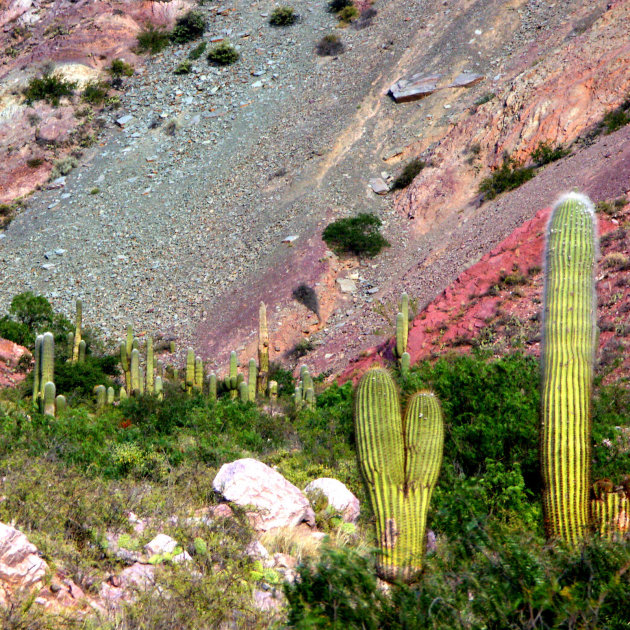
[35,162]
[185,67]
[94,92]
[63,166]
[348,14]
[119,69]
[545,154]
[408,173]
[153,40]
[329,46]
[223,54]
[282,16]
[334,6]
[508,177]
[197,51]
[617,118]
[188,27]
[50,88]
[356,235]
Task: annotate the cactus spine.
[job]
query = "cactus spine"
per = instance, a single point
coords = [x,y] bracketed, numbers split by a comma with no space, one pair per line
[77,331]
[251,382]
[569,332]
[263,350]
[400,462]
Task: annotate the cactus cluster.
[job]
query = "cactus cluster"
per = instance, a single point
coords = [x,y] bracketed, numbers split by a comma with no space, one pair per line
[400,459]
[45,395]
[569,333]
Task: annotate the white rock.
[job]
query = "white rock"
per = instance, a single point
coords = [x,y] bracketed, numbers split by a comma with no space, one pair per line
[250,482]
[160,544]
[346,285]
[378,185]
[338,495]
[20,566]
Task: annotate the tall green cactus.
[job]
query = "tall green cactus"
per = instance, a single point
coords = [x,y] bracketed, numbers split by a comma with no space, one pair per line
[150,365]
[82,351]
[37,355]
[212,386]
[190,370]
[610,513]
[199,375]
[233,375]
[48,399]
[135,373]
[263,350]
[569,333]
[251,380]
[400,462]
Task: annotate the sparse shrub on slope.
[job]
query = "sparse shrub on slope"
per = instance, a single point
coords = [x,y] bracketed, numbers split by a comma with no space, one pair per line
[356,235]
[508,177]
[223,54]
[188,27]
[282,16]
[50,88]
[329,46]
[153,40]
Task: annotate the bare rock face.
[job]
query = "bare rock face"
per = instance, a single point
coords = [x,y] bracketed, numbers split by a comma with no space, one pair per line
[338,496]
[279,502]
[21,569]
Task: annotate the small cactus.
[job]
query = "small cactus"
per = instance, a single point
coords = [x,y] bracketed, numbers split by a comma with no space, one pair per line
[124,362]
[48,404]
[70,346]
[111,395]
[172,347]
[61,404]
[233,376]
[122,394]
[77,331]
[263,350]
[159,388]
[212,386]
[199,375]
[101,396]
[129,340]
[190,370]
[243,390]
[251,382]
[150,364]
[135,372]
[273,390]
[82,350]
[405,361]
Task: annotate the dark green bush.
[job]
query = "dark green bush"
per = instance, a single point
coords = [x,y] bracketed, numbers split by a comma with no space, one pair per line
[334,6]
[188,27]
[50,88]
[282,16]
[184,67]
[197,51]
[153,40]
[545,154]
[223,54]
[329,46]
[78,380]
[355,235]
[409,173]
[508,177]
[347,14]
[30,315]
[94,93]
[616,119]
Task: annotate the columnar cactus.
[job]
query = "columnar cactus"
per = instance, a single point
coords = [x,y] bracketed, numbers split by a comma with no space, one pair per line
[405,362]
[243,390]
[37,355]
[124,362]
[150,365]
[251,380]
[48,399]
[190,370]
[233,376]
[135,372]
[212,386]
[61,404]
[129,340]
[77,331]
[273,390]
[400,462]
[101,396]
[263,350]
[569,333]
[70,347]
[305,390]
[111,395]
[82,351]
[404,309]
[199,375]
[610,513]
[47,374]
[159,388]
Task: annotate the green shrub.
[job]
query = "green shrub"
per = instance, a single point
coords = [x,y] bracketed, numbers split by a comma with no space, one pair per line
[329,46]
[508,177]
[120,69]
[35,162]
[334,6]
[355,235]
[94,93]
[184,67]
[63,166]
[50,88]
[408,173]
[284,378]
[223,54]
[347,14]
[78,380]
[545,154]
[188,27]
[153,40]
[486,98]
[30,315]
[616,119]
[197,51]
[282,16]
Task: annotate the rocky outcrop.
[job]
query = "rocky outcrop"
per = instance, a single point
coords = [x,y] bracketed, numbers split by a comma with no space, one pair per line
[338,496]
[248,482]
[10,355]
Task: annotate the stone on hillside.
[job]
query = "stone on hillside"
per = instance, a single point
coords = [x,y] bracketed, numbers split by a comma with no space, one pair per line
[338,496]
[378,185]
[20,567]
[160,544]
[415,87]
[466,79]
[279,502]
[346,285]
[125,586]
